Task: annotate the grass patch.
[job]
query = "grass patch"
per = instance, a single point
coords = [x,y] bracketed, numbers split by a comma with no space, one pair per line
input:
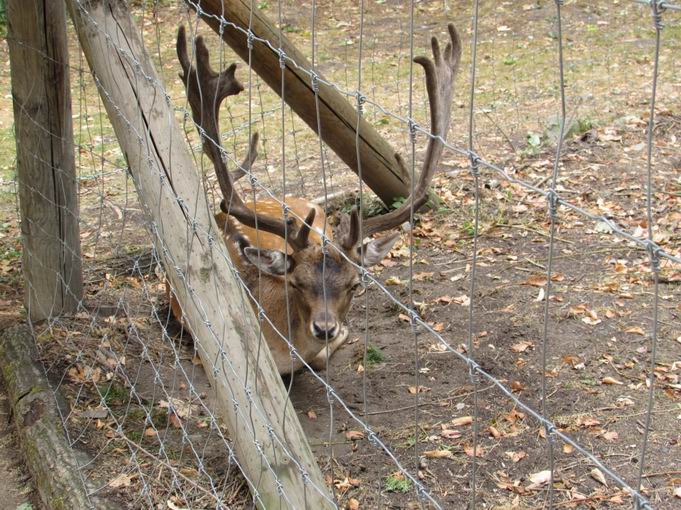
[397,482]
[375,356]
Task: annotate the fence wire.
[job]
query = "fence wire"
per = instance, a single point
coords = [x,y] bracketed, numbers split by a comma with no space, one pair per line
[138,394]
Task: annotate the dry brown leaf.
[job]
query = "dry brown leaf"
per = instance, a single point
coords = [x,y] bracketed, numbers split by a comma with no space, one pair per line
[536,280]
[438,454]
[149,432]
[636,330]
[311,414]
[450,434]
[568,449]
[597,475]
[478,452]
[354,435]
[421,389]
[611,436]
[522,346]
[462,421]
[494,432]
[540,478]
[353,504]
[122,480]
[610,380]
[174,420]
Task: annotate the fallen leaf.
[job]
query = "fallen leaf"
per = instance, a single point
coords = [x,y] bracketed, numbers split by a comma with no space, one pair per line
[149,432]
[353,504]
[540,478]
[522,346]
[597,475]
[174,420]
[311,415]
[421,389]
[636,330]
[122,480]
[450,434]
[516,456]
[611,436]
[610,380]
[462,421]
[354,435]
[478,452]
[536,280]
[568,449]
[438,454]
[393,280]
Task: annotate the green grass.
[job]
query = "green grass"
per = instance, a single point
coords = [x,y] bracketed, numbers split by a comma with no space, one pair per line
[375,356]
[396,482]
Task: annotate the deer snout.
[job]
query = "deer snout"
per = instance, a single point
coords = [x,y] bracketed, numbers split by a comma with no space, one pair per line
[324,326]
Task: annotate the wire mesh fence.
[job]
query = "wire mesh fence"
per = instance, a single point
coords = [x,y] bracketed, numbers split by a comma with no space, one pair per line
[518,347]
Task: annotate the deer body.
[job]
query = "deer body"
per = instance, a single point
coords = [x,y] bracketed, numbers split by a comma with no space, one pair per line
[304,286]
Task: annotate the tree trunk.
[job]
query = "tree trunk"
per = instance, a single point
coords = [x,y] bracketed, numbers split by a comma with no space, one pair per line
[252,398]
[381,170]
[45,161]
[51,461]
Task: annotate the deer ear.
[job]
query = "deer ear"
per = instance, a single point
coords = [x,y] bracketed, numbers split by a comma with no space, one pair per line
[272,262]
[376,249]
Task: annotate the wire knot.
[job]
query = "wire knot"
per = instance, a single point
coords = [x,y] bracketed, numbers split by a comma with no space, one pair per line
[282,59]
[654,253]
[657,7]
[552,199]
[314,81]
[249,40]
[412,126]
[253,180]
[361,100]
[475,164]
[473,374]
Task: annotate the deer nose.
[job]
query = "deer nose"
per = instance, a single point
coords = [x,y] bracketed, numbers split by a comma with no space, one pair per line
[323,329]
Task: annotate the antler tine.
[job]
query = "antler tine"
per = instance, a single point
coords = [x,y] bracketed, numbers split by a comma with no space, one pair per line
[206,90]
[440,73]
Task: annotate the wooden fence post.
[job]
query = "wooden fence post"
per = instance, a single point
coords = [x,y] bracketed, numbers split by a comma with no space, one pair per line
[48,187]
[251,395]
[381,170]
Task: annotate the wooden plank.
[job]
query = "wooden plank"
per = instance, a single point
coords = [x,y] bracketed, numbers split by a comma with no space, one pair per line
[381,170]
[45,161]
[252,398]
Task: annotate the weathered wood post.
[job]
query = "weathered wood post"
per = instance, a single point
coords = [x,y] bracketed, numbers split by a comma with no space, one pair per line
[45,160]
[381,169]
[250,391]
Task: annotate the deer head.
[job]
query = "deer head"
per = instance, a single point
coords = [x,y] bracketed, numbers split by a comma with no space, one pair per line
[322,280]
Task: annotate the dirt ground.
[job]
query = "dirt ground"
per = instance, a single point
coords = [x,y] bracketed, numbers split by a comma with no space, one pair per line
[414,394]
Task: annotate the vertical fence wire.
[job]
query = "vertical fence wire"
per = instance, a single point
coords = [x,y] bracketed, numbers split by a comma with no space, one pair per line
[656,11]
[475,173]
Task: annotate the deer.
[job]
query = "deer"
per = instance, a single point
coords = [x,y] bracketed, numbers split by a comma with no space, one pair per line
[305,286]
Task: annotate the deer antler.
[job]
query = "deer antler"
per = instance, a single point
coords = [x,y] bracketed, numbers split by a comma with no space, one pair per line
[440,73]
[206,90]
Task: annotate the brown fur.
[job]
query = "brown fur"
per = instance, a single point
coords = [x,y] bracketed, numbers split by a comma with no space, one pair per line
[316,287]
